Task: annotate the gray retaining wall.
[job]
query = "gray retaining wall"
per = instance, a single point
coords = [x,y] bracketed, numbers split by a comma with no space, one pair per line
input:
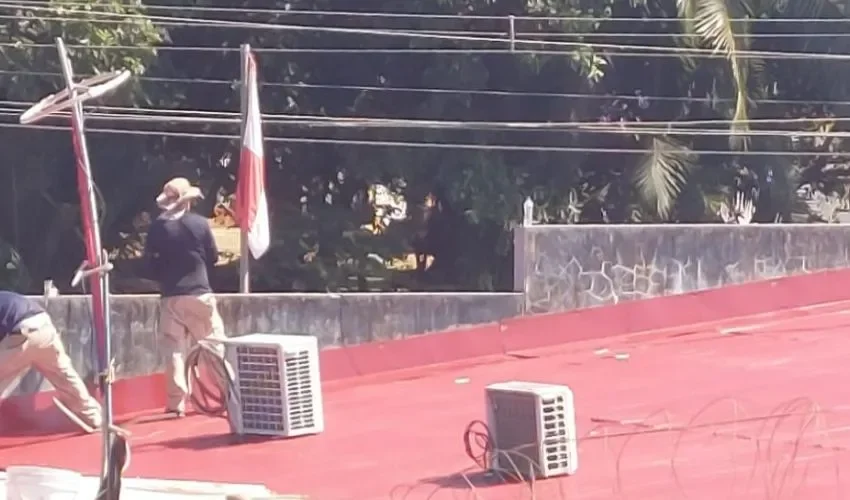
[557,268]
[336,319]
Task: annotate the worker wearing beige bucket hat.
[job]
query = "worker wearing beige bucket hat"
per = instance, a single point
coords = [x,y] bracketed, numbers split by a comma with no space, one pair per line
[177,195]
[180,253]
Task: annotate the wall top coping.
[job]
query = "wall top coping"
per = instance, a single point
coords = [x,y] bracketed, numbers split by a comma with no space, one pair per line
[315,295]
[638,227]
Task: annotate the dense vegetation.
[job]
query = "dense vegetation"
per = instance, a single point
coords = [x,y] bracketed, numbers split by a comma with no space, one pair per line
[679,130]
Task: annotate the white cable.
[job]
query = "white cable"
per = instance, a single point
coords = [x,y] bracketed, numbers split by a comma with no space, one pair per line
[431,51]
[404,15]
[669,126]
[459,38]
[505,34]
[430,90]
[624,129]
[655,51]
[428,145]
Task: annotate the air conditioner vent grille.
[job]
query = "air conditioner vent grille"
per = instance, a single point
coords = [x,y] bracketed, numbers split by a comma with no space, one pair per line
[533,428]
[277,378]
[299,388]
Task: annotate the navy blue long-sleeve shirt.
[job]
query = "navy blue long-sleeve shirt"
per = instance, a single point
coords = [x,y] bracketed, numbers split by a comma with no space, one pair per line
[15,308]
[180,255]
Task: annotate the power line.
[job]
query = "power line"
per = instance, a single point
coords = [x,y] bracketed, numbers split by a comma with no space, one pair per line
[422,145]
[201,23]
[613,34]
[414,15]
[312,122]
[479,92]
[232,118]
[363,121]
[513,42]
[503,34]
[411,51]
[367,51]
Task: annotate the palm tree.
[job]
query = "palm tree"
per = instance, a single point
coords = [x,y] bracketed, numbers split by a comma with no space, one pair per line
[724,27]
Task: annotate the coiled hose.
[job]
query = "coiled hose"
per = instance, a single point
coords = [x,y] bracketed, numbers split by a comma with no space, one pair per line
[209,397]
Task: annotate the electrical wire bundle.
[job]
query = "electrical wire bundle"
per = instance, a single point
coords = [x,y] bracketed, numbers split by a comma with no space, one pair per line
[525,40]
[210,397]
[478,443]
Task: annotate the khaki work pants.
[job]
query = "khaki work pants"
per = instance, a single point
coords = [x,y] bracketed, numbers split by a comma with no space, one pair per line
[181,320]
[39,346]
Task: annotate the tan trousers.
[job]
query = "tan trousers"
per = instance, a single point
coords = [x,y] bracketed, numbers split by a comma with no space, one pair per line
[40,347]
[183,319]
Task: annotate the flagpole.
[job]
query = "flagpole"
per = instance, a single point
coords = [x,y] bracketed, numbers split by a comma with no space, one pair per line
[244,252]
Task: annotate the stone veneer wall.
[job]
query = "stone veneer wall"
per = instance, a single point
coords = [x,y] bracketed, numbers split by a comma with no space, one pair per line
[562,268]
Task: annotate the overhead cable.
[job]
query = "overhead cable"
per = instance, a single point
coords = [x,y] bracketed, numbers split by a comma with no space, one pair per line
[645,99]
[363,121]
[406,15]
[504,34]
[426,145]
[314,123]
[514,42]
[430,52]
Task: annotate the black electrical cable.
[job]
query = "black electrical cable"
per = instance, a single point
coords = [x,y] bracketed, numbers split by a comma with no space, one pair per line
[478,443]
[116,463]
[209,397]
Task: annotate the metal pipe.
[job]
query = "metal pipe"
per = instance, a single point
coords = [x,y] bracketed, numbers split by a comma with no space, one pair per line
[512,32]
[244,252]
[103,271]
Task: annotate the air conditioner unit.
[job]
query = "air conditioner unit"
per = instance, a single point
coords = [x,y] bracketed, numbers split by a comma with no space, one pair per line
[532,429]
[277,385]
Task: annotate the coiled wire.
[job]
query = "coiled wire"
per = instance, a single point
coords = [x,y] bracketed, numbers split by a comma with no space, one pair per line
[478,443]
[210,397]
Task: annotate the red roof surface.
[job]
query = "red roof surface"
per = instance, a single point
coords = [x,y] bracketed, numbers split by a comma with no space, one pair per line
[759,399]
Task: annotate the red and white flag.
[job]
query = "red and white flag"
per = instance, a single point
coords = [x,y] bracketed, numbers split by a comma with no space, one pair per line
[252,209]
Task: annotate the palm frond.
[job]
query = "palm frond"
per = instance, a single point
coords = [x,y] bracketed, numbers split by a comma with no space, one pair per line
[661,175]
[713,23]
[687,14]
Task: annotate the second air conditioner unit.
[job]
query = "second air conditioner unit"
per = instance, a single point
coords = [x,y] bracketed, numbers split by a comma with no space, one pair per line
[532,429]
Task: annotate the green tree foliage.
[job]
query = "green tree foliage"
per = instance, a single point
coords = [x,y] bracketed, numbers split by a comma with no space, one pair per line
[38,176]
[589,68]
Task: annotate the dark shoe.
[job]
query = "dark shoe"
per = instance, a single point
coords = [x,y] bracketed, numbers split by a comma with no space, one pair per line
[176,413]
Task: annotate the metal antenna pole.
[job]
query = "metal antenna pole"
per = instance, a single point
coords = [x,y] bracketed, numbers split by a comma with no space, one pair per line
[100,265]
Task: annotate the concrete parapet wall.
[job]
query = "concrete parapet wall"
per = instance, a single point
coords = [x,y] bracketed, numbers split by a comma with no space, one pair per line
[557,269]
[336,319]
[564,268]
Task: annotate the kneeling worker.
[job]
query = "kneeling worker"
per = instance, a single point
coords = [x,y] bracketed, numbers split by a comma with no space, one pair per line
[29,339]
